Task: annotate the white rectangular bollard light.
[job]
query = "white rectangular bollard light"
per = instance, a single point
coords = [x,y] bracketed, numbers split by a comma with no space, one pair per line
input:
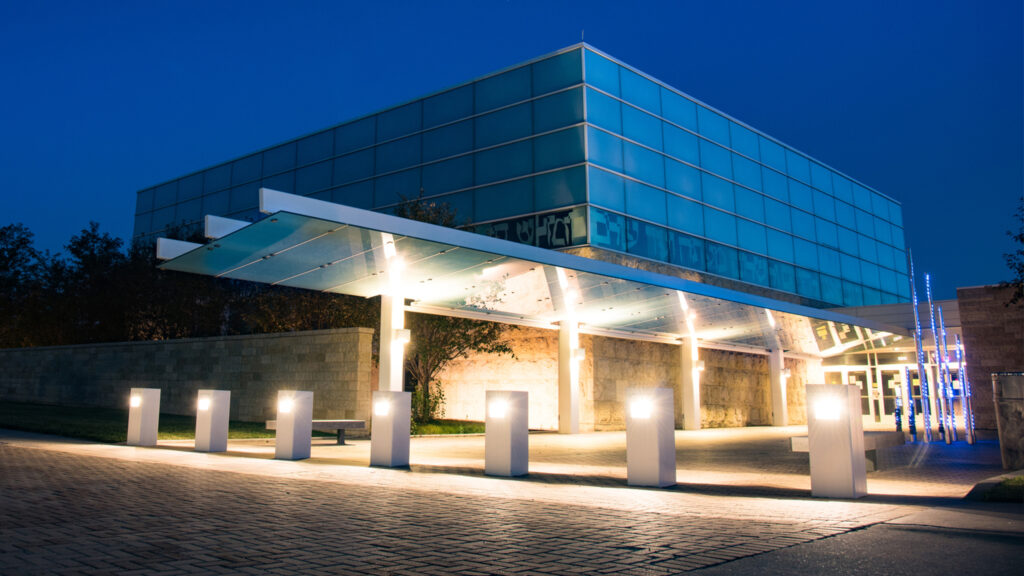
[212,410]
[389,432]
[294,425]
[650,437]
[143,416]
[835,438]
[506,445]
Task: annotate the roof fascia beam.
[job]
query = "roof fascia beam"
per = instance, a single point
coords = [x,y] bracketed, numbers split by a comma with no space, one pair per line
[167,249]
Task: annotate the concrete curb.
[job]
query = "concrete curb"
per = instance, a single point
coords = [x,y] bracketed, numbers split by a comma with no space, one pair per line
[981,489]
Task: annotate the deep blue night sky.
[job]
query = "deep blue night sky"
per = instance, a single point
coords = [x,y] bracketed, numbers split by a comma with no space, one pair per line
[921,100]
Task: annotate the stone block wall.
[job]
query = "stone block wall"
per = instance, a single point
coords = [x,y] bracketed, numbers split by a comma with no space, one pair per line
[993,342]
[336,365]
[623,364]
[534,370]
[796,390]
[734,388]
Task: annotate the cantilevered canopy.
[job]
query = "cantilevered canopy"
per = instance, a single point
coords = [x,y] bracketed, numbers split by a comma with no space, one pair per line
[317,245]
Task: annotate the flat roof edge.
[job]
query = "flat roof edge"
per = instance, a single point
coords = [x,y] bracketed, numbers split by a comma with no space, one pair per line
[272,201]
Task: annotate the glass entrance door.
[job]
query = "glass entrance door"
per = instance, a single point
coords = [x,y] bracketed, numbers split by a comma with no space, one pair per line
[860,378]
[891,382]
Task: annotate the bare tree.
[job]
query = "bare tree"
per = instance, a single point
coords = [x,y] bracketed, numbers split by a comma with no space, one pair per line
[1015,259]
[439,340]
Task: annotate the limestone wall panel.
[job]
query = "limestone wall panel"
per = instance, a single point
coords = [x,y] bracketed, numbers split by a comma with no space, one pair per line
[335,364]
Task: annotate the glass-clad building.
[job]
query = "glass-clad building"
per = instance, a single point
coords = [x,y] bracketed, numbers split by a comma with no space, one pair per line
[578,150]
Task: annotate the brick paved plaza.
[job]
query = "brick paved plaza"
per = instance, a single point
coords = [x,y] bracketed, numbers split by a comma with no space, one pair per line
[79,508]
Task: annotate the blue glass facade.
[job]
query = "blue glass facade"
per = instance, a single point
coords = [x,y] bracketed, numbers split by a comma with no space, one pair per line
[575,149]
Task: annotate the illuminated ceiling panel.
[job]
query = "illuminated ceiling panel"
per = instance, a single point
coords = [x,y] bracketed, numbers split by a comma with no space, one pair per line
[316,245]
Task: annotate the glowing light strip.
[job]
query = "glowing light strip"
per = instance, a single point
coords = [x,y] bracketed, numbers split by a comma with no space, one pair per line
[898,412]
[966,386]
[949,379]
[940,386]
[911,408]
[922,375]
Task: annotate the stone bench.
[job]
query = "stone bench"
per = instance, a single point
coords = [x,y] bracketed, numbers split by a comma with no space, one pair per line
[338,426]
[874,440]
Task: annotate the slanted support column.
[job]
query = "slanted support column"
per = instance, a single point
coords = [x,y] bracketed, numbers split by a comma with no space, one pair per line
[815,371]
[569,357]
[689,374]
[393,338]
[778,377]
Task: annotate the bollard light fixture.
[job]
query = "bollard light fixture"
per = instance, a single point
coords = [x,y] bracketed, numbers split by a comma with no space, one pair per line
[213,411]
[381,408]
[285,405]
[641,408]
[135,401]
[827,409]
[498,408]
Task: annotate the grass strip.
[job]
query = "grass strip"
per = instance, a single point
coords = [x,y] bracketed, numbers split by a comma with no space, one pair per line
[448,427]
[1009,490]
[110,424]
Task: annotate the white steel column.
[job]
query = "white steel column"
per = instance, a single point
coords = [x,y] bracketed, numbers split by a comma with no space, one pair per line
[393,338]
[777,375]
[689,374]
[815,371]
[569,356]
[393,335]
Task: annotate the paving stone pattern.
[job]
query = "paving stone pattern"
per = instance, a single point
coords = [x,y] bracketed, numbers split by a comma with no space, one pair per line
[84,508]
[64,513]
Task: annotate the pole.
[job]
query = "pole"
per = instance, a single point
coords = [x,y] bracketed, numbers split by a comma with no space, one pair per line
[966,386]
[921,374]
[940,386]
[951,396]
[911,417]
